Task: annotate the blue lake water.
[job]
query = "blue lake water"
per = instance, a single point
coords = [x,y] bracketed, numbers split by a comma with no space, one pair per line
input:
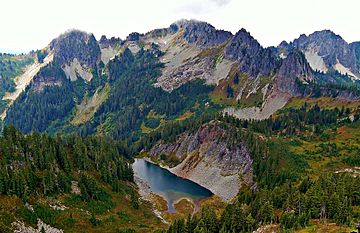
[168,185]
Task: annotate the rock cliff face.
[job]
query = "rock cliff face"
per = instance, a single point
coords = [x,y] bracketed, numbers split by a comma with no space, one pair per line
[293,68]
[109,48]
[77,53]
[201,34]
[76,44]
[208,159]
[355,46]
[325,50]
[253,59]
[266,77]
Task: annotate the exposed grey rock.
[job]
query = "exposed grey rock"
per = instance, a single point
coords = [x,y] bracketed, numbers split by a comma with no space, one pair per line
[253,59]
[134,36]
[328,47]
[200,33]
[20,227]
[294,67]
[331,47]
[76,44]
[104,42]
[209,159]
[40,82]
[355,46]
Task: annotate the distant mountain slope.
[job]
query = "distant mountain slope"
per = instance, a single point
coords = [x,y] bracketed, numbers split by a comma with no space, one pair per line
[324,51]
[11,66]
[274,131]
[245,79]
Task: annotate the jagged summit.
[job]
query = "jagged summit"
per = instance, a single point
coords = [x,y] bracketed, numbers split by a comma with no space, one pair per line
[241,45]
[283,43]
[326,33]
[253,58]
[255,80]
[325,50]
[200,33]
[76,44]
[105,42]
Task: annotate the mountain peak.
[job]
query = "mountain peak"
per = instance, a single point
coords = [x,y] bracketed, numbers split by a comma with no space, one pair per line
[326,33]
[325,50]
[76,44]
[72,33]
[294,66]
[252,57]
[242,45]
[283,44]
[200,33]
[318,37]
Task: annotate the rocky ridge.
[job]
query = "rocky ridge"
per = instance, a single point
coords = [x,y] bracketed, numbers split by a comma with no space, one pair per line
[325,50]
[196,50]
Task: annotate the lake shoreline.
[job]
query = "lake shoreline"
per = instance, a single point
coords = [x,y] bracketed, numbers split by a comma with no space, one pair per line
[147,159]
[158,198]
[147,195]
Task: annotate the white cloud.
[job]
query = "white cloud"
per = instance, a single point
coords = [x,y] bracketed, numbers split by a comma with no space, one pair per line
[221,2]
[201,6]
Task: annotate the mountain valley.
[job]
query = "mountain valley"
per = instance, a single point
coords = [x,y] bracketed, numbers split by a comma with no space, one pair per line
[273,133]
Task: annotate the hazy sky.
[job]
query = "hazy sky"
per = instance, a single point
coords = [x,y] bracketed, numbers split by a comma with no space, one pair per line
[32,24]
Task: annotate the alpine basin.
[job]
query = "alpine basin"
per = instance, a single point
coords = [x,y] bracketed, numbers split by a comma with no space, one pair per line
[168,185]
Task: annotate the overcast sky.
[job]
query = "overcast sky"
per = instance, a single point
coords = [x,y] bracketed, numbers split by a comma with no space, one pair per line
[32,24]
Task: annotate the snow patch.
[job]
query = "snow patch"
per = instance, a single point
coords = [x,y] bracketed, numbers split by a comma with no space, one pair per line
[282,55]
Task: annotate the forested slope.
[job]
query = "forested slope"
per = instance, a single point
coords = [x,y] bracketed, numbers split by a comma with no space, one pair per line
[70,183]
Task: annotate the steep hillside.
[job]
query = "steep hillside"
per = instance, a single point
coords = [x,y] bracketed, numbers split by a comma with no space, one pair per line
[68,184]
[11,68]
[274,132]
[305,165]
[110,86]
[324,51]
[208,158]
[70,71]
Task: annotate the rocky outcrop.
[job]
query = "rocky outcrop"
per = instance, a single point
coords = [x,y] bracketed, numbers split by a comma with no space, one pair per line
[76,44]
[210,158]
[50,75]
[355,46]
[326,50]
[20,227]
[294,68]
[77,53]
[134,36]
[253,59]
[109,48]
[105,42]
[201,34]
[45,81]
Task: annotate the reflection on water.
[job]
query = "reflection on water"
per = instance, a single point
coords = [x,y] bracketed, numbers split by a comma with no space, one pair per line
[168,185]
